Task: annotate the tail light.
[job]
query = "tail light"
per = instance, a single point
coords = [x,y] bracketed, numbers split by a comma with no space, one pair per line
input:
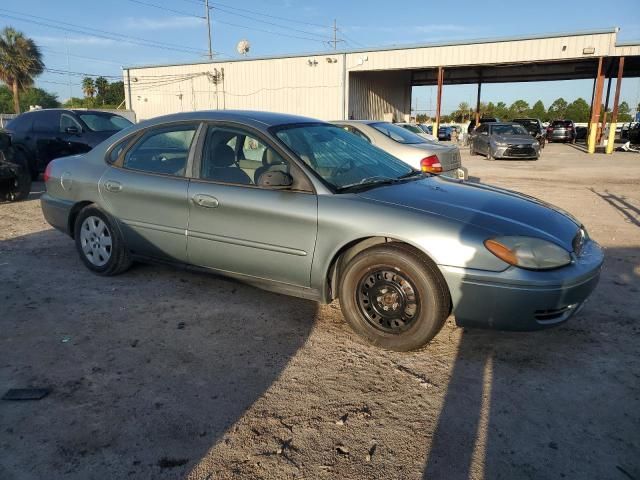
[47,172]
[431,164]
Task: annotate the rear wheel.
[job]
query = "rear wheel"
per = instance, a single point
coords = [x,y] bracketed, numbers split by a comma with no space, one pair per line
[472,151]
[99,242]
[21,183]
[393,297]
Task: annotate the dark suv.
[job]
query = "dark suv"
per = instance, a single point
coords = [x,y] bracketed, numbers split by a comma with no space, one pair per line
[534,127]
[562,131]
[43,135]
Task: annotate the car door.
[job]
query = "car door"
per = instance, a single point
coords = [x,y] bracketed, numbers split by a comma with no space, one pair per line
[239,227]
[70,134]
[48,145]
[146,190]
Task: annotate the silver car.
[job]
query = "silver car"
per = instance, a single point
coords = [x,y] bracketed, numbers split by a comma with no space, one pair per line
[504,140]
[302,207]
[417,129]
[412,149]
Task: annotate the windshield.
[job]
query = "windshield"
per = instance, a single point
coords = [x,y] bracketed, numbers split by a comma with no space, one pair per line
[425,128]
[508,130]
[397,134]
[341,159]
[104,122]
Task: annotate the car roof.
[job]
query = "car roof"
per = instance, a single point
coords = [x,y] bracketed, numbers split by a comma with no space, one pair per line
[257,118]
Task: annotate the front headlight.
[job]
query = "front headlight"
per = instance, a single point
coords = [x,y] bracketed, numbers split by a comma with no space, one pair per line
[528,252]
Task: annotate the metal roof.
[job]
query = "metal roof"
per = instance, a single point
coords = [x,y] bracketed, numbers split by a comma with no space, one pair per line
[478,41]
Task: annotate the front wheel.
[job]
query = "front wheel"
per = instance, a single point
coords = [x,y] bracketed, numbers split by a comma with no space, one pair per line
[394,297]
[472,151]
[99,242]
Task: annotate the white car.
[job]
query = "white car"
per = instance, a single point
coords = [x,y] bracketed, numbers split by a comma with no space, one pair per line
[409,147]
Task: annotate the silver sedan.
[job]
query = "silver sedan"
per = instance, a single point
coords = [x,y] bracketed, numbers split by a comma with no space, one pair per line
[302,207]
[504,140]
[414,150]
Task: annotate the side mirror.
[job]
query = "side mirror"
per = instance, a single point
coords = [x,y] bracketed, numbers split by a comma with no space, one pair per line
[72,130]
[275,179]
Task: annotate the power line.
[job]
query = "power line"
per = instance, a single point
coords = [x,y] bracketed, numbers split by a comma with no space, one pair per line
[161,7]
[46,22]
[280,34]
[58,52]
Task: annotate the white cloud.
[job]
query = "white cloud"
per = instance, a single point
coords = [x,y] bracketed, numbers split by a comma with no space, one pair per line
[132,23]
[76,40]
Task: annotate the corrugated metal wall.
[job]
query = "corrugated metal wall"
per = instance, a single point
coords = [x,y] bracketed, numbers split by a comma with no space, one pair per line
[374,94]
[300,85]
[556,48]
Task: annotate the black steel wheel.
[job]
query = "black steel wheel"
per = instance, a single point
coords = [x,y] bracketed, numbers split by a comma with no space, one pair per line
[394,296]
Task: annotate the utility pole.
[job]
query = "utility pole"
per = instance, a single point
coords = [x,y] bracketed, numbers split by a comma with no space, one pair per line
[66,42]
[335,34]
[206,6]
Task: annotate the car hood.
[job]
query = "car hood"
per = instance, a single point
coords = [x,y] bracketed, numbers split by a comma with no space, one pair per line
[513,139]
[497,211]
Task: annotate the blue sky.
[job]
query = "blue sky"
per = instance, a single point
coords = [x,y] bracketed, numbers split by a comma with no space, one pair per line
[361,23]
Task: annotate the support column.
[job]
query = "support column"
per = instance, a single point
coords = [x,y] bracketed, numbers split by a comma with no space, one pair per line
[478,104]
[436,124]
[614,113]
[603,125]
[595,109]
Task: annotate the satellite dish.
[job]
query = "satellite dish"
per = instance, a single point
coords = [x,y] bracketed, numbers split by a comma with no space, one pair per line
[243,47]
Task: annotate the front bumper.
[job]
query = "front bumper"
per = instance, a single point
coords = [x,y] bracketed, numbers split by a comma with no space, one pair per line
[56,212]
[513,151]
[518,299]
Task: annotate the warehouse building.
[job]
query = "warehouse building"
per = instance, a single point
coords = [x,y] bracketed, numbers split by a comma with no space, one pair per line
[376,83]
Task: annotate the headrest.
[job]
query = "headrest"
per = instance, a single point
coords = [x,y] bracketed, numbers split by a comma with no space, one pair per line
[223,156]
[269,157]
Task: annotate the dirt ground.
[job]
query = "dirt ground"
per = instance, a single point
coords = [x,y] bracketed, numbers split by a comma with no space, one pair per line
[169,374]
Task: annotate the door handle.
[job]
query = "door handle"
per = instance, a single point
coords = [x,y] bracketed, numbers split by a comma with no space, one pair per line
[113,186]
[205,201]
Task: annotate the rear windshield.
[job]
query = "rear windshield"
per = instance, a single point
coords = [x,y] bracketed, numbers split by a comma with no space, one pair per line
[412,128]
[104,122]
[561,123]
[398,134]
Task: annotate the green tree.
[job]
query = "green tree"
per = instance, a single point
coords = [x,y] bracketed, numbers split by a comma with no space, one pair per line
[88,87]
[624,112]
[538,111]
[518,108]
[501,111]
[31,96]
[20,62]
[578,110]
[101,84]
[558,109]
[115,94]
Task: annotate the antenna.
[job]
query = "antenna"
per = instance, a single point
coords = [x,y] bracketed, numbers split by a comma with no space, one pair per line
[243,47]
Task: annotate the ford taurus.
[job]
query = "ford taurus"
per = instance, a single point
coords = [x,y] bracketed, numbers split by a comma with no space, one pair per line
[302,207]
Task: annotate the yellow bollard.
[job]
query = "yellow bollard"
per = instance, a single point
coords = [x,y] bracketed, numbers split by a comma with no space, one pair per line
[591,144]
[435,127]
[612,138]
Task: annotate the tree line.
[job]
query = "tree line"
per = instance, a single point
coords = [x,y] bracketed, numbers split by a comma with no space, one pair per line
[578,111]
[99,93]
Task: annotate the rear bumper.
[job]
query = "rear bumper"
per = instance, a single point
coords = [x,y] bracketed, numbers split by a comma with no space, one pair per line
[460,173]
[56,212]
[518,299]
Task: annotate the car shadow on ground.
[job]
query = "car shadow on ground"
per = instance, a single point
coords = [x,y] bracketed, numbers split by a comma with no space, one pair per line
[630,212]
[531,405]
[148,369]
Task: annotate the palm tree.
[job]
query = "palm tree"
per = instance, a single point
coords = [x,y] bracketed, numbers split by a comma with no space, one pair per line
[88,87]
[20,61]
[102,84]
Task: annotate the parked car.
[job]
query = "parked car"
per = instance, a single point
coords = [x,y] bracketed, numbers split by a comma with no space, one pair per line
[323,215]
[43,135]
[504,140]
[472,124]
[561,130]
[412,127]
[581,132]
[412,149]
[534,127]
[15,180]
[444,133]
[633,133]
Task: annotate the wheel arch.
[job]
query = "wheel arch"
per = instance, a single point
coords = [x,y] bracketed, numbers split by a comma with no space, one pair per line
[348,251]
[73,214]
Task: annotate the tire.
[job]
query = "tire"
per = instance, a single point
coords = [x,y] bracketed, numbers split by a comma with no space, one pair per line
[489,156]
[92,229]
[472,152]
[21,184]
[372,282]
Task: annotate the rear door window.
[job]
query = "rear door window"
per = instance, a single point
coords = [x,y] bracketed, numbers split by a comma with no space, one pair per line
[163,151]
